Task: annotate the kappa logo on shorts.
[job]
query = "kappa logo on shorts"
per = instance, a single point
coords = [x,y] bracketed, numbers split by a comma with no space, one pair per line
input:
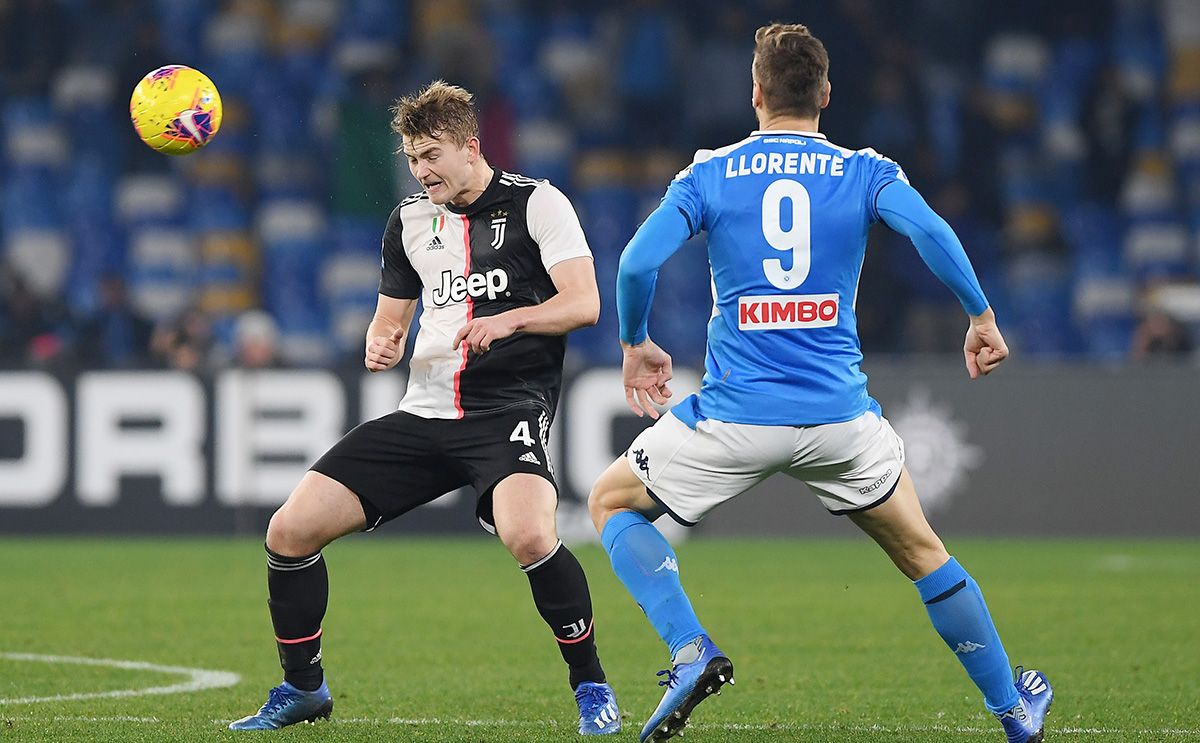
[877,484]
[643,462]
[968,647]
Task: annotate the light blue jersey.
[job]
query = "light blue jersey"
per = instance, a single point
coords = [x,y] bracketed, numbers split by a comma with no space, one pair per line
[787,215]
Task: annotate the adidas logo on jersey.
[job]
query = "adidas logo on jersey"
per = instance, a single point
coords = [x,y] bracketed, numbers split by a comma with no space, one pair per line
[529,457]
[435,244]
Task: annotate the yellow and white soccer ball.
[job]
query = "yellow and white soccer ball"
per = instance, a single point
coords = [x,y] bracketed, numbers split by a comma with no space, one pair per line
[176,110]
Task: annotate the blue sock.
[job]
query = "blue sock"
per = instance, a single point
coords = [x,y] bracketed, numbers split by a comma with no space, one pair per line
[959,614]
[646,564]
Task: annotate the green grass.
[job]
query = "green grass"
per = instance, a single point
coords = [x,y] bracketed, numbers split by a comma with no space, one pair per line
[437,640]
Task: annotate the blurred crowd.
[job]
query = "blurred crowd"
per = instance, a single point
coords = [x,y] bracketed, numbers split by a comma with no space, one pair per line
[1061,141]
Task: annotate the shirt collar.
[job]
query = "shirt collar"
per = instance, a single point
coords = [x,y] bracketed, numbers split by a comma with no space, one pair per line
[765,132]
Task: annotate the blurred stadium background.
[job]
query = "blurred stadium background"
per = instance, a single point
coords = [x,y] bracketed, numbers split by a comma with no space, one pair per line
[179,337]
[1061,140]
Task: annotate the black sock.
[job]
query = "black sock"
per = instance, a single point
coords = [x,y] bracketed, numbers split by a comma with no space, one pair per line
[299,593]
[560,591]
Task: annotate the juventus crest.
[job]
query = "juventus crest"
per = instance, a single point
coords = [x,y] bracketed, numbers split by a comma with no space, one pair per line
[499,222]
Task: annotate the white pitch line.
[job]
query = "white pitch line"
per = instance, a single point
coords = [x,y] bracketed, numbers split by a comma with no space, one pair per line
[84,718]
[197,679]
[763,727]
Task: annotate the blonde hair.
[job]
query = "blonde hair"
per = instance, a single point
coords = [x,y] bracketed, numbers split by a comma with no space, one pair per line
[437,109]
[791,67]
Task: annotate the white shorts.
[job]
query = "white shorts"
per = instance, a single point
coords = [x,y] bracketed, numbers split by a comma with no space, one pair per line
[852,466]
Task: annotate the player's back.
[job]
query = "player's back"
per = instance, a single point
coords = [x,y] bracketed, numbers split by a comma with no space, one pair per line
[787,215]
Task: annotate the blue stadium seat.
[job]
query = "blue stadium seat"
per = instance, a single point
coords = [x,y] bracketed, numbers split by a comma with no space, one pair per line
[162,270]
[1105,315]
[1039,292]
[29,199]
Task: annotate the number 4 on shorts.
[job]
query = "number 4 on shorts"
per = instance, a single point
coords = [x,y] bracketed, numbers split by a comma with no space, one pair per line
[521,433]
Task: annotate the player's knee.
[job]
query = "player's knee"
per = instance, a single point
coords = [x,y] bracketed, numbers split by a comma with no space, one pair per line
[288,535]
[920,558]
[528,545]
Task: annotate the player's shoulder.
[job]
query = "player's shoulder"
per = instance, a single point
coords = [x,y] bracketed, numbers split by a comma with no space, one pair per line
[536,194]
[867,155]
[705,157]
[521,184]
[412,205]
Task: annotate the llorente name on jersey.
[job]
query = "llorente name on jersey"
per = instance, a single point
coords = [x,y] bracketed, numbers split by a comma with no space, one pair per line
[790,163]
[457,288]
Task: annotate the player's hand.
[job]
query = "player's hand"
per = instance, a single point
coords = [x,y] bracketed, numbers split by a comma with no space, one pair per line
[480,333]
[383,351]
[645,373]
[984,347]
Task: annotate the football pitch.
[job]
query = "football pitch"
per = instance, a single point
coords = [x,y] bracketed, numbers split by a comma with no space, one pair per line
[438,640]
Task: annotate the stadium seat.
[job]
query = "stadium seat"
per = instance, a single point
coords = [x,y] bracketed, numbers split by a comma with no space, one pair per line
[162,271]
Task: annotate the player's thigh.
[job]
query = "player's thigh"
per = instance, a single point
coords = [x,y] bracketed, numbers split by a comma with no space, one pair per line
[392,465]
[523,507]
[690,471]
[619,489]
[851,466]
[493,447]
[899,526]
[318,511]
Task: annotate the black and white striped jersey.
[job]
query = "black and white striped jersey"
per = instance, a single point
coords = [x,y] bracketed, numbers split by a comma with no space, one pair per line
[463,262]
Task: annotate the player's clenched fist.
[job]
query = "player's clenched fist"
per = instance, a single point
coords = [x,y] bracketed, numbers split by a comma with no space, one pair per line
[383,351]
[984,347]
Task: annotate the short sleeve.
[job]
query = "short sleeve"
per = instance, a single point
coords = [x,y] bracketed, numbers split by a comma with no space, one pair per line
[882,172]
[684,195]
[398,278]
[554,226]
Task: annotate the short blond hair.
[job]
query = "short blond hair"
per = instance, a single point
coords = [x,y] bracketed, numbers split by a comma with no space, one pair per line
[792,68]
[437,109]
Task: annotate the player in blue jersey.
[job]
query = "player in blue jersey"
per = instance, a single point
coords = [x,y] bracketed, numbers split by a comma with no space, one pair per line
[787,215]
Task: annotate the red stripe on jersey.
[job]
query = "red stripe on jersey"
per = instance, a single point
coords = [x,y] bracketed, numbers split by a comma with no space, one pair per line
[470,308]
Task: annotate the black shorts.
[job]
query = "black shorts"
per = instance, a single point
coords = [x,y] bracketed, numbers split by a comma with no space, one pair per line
[401,461]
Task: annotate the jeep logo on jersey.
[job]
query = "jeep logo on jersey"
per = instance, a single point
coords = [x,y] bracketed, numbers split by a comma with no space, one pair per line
[787,311]
[458,288]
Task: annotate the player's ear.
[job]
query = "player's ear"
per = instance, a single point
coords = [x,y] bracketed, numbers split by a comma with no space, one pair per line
[828,90]
[472,150]
[756,96]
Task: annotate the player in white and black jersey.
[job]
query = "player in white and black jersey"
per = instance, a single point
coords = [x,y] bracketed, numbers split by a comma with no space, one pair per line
[503,272]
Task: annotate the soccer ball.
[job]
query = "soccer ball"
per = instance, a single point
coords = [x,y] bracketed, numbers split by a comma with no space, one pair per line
[175,110]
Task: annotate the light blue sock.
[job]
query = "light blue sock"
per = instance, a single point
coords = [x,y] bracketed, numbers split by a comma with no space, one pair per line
[646,564]
[959,614]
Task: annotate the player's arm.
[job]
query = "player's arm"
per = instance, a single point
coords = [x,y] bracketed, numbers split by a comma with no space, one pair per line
[902,208]
[576,305]
[646,368]
[385,334]
[399,287]
[565,255]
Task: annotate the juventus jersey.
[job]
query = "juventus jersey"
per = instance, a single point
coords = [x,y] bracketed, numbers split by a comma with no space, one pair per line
[476,261]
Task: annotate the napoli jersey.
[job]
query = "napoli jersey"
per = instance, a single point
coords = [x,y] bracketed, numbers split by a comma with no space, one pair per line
[787,215]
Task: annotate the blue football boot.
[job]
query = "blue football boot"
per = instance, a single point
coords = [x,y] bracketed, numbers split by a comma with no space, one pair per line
[688,684]
[287,705]
[1023,723]
[598,713]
